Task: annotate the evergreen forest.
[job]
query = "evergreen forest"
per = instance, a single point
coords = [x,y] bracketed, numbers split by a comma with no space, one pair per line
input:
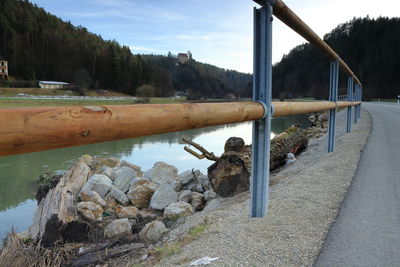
[370,47]
[41,46]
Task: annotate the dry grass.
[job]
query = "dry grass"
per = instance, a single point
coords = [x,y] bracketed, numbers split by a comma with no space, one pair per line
[5,91]
[16,253]
[22,103]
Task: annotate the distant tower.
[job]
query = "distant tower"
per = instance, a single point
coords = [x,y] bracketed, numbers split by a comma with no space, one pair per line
[190,55]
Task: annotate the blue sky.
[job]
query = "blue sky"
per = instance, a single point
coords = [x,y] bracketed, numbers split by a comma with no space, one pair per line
[218,32]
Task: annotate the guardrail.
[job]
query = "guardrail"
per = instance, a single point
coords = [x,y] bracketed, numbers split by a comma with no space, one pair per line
[34,129]
[24,130]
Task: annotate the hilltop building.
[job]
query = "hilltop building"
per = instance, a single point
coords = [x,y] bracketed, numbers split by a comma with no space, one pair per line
[52,85]
[183,58]
[3,68]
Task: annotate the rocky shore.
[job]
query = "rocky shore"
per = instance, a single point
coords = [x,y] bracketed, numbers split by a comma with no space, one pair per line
[108,204]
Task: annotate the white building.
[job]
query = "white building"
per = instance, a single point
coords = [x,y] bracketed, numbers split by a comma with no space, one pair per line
[3,68]
[183,58]
[52,85]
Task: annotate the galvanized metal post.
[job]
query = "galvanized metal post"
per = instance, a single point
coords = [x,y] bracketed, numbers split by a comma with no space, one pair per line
[350,83]
[262,92]
[355,98]
[333,92]
[359,106]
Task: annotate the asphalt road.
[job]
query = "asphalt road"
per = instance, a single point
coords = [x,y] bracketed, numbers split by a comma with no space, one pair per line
[367,229]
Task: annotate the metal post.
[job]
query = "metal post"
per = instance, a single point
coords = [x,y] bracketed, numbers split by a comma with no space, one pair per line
[350,83]
[262,88]
[333,92]
[358,99]
[355,99]
[359,106]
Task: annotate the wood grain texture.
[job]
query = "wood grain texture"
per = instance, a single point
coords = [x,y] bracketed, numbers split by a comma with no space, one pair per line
[25,130]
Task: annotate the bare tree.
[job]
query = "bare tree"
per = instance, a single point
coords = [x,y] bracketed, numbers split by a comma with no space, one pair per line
[145,91]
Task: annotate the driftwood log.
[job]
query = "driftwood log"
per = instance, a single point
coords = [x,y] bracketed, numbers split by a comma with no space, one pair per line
[104,253]
[230,174]
[56,217]
[293,140]
[204,152]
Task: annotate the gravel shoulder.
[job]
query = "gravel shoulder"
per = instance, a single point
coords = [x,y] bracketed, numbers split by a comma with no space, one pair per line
[303,205]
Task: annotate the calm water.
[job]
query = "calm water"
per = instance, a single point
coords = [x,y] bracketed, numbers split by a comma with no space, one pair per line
[18,173]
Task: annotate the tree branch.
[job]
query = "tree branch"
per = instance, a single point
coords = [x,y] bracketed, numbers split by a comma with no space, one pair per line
[204,153]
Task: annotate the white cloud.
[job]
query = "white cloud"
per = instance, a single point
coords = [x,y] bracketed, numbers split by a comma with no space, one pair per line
[192,37]
[145,50]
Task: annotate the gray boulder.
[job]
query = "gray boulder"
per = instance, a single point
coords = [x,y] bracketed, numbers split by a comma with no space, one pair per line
[117,228]
[134,167]
[186,177]
[111,202]
[163,196]
[92,196]
[119,196]
[176,185]
[149,215]
[130,212]
[197,201]
[90,211]
[194,186]
[205,183]
[140,194]
[178,210]
[106,171]
[123,178]
[153,231]
[209,194]
[198,183]
[185,196]
[137,181]
[162,173]
[98,183]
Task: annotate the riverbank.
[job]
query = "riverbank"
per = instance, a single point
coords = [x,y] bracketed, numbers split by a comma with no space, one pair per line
[18,102]
[303,205]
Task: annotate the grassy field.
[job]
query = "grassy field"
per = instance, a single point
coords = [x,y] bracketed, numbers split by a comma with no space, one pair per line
[31,91]
[301,99]
[19,103]
[9,92]
[384,100]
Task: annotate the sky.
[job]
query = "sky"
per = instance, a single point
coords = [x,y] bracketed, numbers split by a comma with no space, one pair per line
[218,32]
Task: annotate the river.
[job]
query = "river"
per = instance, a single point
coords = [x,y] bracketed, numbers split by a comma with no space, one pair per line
[18,173]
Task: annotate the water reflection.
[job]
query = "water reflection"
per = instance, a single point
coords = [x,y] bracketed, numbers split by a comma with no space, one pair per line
[18,173]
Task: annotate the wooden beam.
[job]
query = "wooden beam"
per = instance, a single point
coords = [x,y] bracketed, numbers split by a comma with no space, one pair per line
[24,130]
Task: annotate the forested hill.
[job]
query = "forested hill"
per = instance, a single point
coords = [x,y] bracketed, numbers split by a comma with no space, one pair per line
[40,46]
[369,46]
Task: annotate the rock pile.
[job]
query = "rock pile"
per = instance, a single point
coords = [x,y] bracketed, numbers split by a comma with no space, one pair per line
[319,125]
[118,199]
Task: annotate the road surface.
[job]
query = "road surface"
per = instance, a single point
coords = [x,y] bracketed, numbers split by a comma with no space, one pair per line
[367,229]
